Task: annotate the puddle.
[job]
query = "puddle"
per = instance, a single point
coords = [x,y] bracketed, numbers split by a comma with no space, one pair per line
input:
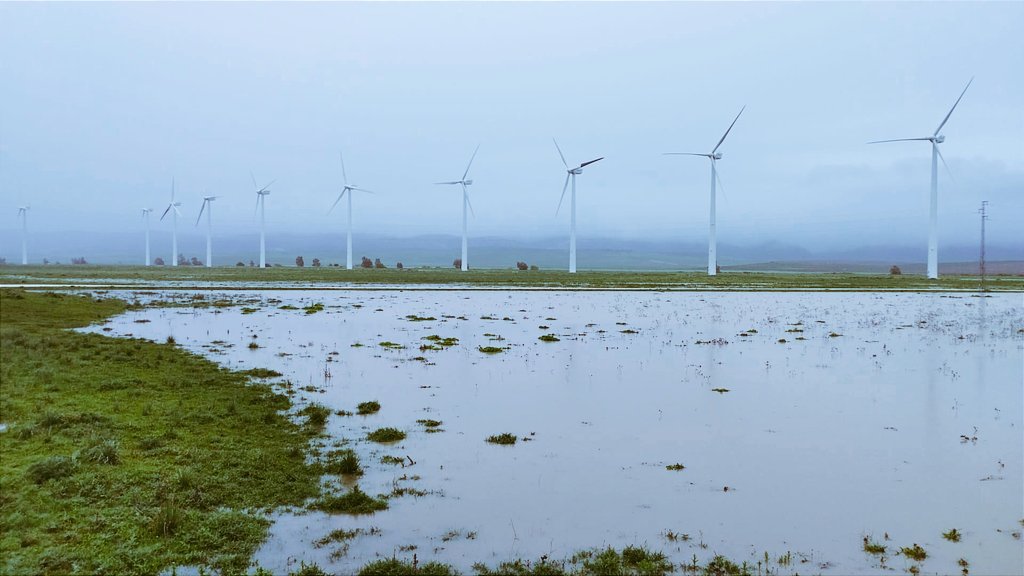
[803,421]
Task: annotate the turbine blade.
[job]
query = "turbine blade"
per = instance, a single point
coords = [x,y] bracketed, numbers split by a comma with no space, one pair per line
[943,158]
[591,161]
[363,190]
[268,185]
[453,182]
[466,173]
[468,202]
[201,212]
[560,154]
[176,211]
[165,212]
[340,196]
[254,184]
[682,154]
[344,176]
[718,178]
[900,140]
[944,120]
[715,149]
[257,210]
[172,189]
[564,188]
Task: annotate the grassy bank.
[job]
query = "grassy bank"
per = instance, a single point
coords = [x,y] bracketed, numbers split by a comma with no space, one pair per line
[326,277]
[127,456]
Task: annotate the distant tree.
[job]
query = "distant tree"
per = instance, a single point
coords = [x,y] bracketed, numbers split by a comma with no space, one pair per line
[182,261]
[300,262]
[718,269]
[3,261]
[534,267]
[366,263]
[251,264]
[457,263]
[269,265]
[159,261]
[45,261]
[241,264]
[316,262]
[195,261]
[79,260]
[522,266]
[895,271]
[398,265]
[378,264]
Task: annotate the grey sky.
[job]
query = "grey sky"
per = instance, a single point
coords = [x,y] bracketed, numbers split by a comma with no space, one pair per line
[100,104]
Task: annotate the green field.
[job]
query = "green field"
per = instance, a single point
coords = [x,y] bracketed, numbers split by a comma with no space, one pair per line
[288,277]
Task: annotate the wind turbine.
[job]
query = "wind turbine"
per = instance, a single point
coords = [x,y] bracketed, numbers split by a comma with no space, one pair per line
[23,213]
[571,173]
[261,195]
[173,207]
[465,204]
[208,206]
[347,189]
[145,216]
[933,214]
[714,156]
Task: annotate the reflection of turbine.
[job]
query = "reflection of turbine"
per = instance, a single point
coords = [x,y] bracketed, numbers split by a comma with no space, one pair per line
[23,212]
[347,189]
[571,173]
[145,216]
[465,204]
[714,156]
[173,207]
[261,195]
[208,206]
[933,214]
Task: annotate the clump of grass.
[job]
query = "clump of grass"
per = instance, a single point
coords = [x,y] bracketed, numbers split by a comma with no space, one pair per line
[629,331]
[394,460]
[872,547]
[396,567]
[782,340]
[720,390]
[312,569]
[505,439]
[548,338]
[287,307]
[316,415]
[675,467]
[834,335]
[313,308]
[249,310]
[339,535]
[345,462]
[391,345]
[262,373]
[952,535]
[490,349]
[353,502]
[429,423]
[672,536]
[722,566]
[371,407]
[386,435]
[521,568]
[914,552]
[52,468]
[167,520]
[101,452]
[253,345]
[443,342]
[632,560]
[415,318]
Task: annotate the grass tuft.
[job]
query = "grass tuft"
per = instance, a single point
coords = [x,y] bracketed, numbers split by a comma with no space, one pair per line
[504,439]
[386,435]
[371,407]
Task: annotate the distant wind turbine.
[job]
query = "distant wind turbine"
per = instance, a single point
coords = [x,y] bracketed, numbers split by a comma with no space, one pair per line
[173,208]
[23,213]
[261,195]
[347,189]
[465,204]
[145,216]
[571,173]
[933,214]
[714,156]
[208,206]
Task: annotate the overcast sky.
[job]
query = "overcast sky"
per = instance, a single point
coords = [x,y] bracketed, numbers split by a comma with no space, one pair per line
[101,104]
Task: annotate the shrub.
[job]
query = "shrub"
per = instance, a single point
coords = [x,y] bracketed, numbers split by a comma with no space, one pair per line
[534,267]
[398,265]
[457,263]
[159,261]
[522,266]
[895,270]
[299,261]
[378,264]
[366,263]
[316,262]
[240,263]
[196,261]
[79,260]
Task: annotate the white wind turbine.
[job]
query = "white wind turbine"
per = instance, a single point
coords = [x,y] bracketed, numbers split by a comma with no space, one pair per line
[261,195]
[173,208]
[933,214]
[571,173]
[465,204]
[347,189]
[714,156]
[145,216]
[23,213]
[208,206]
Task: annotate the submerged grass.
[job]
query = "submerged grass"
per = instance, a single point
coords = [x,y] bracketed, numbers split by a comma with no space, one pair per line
[386,435]
[504,439]
[128,456]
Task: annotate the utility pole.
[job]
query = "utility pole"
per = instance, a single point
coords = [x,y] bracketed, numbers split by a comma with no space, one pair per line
[981,262]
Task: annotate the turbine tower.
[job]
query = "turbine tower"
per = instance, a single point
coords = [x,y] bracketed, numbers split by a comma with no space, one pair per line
[714,156]
[347,189]
[465,204]
[261,195]
[173,206]
[933,213]
[23,213]
[571,173]
[145,216]
[208,206]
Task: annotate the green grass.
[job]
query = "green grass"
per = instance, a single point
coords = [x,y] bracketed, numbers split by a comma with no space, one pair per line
[548,338]
[872,547]
[386,435]
[128,456]
[396,567]
[504,439]
[953,535]
[365,408]
[914,552]
[344,462]
[497,277]
[354,501]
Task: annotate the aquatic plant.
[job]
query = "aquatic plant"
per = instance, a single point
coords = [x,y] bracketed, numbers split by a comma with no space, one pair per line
[313,308]
[429,423]
[720,390]
[391,345]
[914,552]
[344,462]
[872,547]
[439,341]
[675,467]
[354,501]
[396,567]
[262,373]
[312,569]
[722,566]
[490,349]
[371,407]
[504,439]
[386,435]
[953,535]
[316,416]
[548,338]
[415,318]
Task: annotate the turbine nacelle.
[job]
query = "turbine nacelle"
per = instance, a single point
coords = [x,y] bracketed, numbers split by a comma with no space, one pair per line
[576,171]
[467,182]
[715,156]
[939,139]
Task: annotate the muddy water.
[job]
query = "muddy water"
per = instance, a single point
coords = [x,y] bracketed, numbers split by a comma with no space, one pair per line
[896,413]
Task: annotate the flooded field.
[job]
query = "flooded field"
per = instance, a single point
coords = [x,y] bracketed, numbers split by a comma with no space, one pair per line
[693,423]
